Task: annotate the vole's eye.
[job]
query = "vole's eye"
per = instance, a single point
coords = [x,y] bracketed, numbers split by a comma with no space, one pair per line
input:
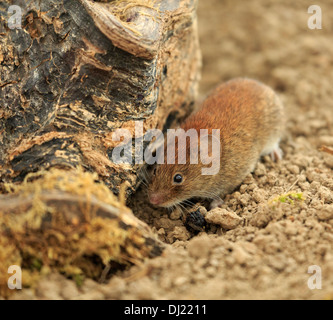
[178,178]
[154,171]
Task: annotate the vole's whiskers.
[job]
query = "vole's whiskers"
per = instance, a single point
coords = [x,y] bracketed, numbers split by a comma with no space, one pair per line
[181,206]
[188,202]
[143,182]
[144,173]
[143,176]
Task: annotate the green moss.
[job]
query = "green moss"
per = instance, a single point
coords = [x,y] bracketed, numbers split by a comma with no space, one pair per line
[36,264]
[79,278]
[289,197]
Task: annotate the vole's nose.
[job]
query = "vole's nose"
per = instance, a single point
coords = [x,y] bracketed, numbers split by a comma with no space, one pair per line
[155,198]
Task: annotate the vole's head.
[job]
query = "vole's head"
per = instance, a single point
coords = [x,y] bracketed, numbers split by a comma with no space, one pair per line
[173,183]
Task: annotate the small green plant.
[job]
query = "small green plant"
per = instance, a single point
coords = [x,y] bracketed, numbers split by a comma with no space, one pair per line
[79,278]
[289,197]
[36,264]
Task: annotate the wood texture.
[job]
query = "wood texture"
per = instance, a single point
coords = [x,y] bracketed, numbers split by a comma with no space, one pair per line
[76,72]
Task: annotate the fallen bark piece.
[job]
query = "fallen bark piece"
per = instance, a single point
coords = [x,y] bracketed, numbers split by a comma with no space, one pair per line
[67,222]
[226,219]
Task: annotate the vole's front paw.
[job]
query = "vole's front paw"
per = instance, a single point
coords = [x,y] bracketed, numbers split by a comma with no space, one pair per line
[276,154]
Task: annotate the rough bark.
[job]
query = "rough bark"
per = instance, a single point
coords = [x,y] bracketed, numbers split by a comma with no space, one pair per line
[76,72]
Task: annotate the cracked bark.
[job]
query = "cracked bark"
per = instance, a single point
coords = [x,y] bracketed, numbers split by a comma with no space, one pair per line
[75,73]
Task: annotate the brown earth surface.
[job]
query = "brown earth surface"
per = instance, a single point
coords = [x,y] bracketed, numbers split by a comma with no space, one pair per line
[268,253]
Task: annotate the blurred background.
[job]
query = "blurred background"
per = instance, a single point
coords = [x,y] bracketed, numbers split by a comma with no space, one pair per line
[270,41]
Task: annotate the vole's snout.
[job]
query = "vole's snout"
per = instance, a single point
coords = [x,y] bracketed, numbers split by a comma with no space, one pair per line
[156,198]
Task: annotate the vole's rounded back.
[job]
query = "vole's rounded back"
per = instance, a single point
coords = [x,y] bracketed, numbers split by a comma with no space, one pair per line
[250,118]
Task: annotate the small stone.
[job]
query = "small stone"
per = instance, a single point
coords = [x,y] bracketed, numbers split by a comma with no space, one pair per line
[236,195]
[176,214]
[259,195]
[214,262]
[325,212]
[243,188]
[304,185]
[301,161]
[244,199]
[161,232]
[49,290]
[210,271]
[293,168]
[248,179]
[271,178]
[226,219]
[252,186]
[277,262]
[199,247]
[260,170]
[240,255]
[290,228]
[201,262]
[179,233]
[180,281]
[325,194]
[69,290]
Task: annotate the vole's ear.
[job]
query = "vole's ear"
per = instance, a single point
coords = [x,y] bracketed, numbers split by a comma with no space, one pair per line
[210,151]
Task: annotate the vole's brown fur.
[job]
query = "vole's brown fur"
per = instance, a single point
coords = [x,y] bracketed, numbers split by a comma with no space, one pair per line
[250,117]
